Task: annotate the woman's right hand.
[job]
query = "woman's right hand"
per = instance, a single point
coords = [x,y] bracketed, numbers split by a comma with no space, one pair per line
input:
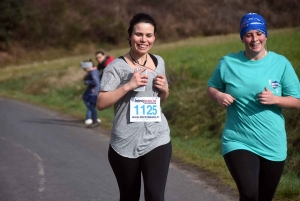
[138,79]
[223,99]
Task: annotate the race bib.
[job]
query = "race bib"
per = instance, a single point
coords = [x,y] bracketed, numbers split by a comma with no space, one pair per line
[145,109]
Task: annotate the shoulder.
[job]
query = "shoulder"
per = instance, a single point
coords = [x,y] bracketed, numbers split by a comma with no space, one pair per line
[116,62]
[276,56]
[234,59]
[278,61]
[232,55]
[116,67]
[157,59]
[110,57]
[155,56]
[95,71]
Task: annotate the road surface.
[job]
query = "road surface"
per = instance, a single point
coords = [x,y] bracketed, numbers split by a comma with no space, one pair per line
[47,156]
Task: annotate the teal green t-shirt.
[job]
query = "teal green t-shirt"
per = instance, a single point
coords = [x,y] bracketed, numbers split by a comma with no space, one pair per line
[251,125]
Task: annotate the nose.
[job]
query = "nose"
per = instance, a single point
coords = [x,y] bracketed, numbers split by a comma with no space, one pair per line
[143,38]
[254,38]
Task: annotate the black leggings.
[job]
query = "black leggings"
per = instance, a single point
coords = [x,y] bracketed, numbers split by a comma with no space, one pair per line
[154,166]
[256,177]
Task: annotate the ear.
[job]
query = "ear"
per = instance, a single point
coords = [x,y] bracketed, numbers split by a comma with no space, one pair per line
[129,41]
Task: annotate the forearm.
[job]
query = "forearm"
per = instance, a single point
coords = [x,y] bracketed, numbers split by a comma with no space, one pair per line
[213,93]
[287,102]
[163,95]
[108,98]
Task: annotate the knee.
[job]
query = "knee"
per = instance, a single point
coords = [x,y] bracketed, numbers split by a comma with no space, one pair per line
[249,195]
[154,197]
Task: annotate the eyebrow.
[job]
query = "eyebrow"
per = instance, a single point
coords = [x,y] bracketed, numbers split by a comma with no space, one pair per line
[143,33]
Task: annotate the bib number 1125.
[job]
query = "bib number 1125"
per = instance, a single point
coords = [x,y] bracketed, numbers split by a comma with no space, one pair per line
[144,109]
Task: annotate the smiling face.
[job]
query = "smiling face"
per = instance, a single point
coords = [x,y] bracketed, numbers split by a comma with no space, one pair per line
[254,42]
[142,38]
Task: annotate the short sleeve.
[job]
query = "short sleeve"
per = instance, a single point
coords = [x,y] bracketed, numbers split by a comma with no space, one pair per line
[216,80]
[111,78]
[290,82]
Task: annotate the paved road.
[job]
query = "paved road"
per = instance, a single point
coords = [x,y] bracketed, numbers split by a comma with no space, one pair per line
[45,156]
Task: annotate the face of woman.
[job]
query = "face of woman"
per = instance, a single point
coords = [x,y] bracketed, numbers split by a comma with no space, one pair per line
[255,42]
[142,38]
[100,58]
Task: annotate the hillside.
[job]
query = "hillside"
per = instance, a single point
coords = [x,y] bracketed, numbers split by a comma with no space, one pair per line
[73,27]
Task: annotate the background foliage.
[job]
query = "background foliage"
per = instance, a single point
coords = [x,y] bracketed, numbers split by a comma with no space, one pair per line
[28,25]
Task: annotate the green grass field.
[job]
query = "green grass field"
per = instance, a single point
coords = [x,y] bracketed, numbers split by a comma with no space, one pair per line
[196,122]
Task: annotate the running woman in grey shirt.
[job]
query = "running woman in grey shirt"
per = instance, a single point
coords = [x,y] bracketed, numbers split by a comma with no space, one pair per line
[136,85]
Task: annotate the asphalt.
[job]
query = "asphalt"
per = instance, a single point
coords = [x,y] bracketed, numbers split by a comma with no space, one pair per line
[48,156]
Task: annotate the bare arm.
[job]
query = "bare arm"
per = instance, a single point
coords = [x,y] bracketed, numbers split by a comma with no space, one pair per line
[268,98]
[223,99]
[106,99]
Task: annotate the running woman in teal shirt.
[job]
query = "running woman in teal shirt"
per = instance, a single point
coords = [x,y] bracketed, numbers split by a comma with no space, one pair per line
[254,85]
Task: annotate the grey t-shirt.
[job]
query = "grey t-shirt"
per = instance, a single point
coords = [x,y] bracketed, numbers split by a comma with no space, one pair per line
[133,139]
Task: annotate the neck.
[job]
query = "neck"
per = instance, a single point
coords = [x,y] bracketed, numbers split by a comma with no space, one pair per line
[139,60]
[257,56]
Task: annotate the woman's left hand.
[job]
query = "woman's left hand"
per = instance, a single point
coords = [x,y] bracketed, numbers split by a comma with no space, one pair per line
[161,83]
[266,97]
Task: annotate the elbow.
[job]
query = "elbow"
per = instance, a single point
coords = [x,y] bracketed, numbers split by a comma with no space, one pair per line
[100,106]
[99,103]
[210,92]
[207,92]
[103,101]
[297,105]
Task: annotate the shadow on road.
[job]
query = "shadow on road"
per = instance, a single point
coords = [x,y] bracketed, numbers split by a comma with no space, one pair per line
[73,123]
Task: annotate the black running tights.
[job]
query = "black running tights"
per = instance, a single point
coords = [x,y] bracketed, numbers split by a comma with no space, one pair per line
[153,166]
[256,177]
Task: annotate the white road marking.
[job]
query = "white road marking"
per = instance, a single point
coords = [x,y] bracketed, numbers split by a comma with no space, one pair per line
[40,165]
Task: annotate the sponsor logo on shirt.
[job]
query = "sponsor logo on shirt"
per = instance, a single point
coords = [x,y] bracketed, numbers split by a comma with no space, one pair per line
[274,84]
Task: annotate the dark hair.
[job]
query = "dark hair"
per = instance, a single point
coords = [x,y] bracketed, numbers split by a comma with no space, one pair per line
[140,17]
[100,52]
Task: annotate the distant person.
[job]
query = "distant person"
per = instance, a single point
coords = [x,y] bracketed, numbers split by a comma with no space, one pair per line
[140,143]
[254,86]
[92,82]
[103,60]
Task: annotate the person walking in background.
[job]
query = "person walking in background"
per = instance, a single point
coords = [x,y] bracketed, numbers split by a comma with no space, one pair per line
[254,85]
[140,142]
[92,81]
[103,60]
